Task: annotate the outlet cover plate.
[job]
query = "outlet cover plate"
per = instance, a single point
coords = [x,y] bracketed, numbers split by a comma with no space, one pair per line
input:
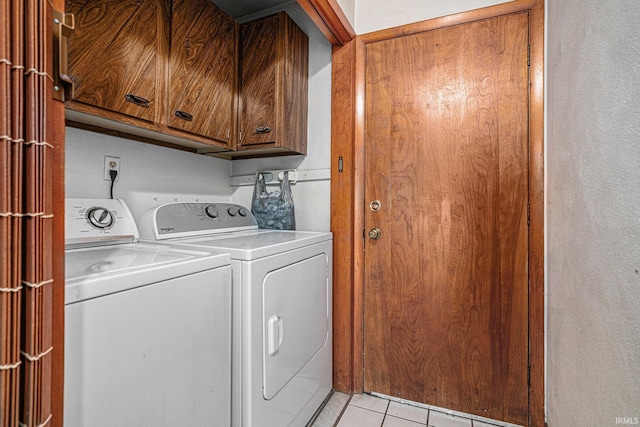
[111,163]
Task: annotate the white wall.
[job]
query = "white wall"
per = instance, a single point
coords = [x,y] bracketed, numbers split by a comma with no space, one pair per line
[349,9]
[149,174]
[593,212]
[374,15]
[312,199]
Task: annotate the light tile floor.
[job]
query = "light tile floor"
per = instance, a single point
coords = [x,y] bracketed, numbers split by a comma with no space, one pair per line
[364,410]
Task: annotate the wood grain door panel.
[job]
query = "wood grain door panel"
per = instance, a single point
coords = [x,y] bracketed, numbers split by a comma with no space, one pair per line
[274,69]
[447,156]
[120,36]
[202,69]
[260,80]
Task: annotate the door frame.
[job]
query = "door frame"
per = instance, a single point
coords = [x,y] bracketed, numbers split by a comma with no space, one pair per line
[56,137]
[348,204]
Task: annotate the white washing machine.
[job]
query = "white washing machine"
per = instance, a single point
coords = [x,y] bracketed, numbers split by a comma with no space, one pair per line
[147,326]
[282,337]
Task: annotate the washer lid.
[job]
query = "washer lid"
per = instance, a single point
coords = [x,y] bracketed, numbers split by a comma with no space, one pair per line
[250,245]
[98,271]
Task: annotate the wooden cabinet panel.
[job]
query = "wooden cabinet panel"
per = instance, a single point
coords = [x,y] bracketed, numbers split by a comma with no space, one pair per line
[259,80]
[106,68]
[273,85]
[170,71]
[202,69]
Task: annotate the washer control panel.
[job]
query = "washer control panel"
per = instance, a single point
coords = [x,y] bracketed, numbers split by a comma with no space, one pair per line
[92,222]
[174,220]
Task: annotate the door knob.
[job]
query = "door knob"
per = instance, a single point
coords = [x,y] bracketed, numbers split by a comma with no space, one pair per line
[375,234]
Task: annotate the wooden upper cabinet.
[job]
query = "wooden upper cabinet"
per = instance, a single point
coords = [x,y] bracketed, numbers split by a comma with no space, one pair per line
[159,71]
[110,71]
[184,73]
[274,68]
[202,69]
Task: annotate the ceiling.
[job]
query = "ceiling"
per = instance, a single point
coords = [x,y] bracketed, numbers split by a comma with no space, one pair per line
[239,8]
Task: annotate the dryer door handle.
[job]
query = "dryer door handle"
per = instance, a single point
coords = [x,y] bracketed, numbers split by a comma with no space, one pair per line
[275,334]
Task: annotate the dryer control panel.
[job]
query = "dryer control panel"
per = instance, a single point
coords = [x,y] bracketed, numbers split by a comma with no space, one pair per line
[93,222]
[173,220]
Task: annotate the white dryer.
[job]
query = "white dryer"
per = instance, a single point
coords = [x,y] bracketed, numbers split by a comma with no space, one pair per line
[282,291]
[147,328]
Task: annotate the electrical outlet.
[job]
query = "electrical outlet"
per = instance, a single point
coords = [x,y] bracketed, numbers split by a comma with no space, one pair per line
[111,163]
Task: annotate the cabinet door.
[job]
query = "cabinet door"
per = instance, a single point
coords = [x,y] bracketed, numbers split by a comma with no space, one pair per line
[260,81]
[113,55]
[202,69]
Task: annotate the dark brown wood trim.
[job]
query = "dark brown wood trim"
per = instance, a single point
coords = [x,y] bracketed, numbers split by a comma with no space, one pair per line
[359,212]
[352,186]
[347,212]
[56,114]
[330,19]
[125,135]
[56,137]
[536,229]
[94,117]
[450,20]
[342,131]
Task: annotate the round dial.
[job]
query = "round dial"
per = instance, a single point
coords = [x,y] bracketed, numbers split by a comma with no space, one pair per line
[211,211]
[100,217]
[242,212]
[232,211]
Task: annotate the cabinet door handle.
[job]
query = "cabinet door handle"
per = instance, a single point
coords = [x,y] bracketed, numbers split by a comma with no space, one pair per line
[263,129]
[183,115]
[138,100]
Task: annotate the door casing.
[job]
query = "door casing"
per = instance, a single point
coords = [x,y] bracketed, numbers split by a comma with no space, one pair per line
[348,204]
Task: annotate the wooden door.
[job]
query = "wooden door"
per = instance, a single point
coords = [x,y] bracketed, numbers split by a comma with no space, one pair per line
[447,158]
[202,69]
[113,55]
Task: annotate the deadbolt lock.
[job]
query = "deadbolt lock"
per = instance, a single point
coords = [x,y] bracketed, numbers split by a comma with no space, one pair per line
[375,234]
[375,205]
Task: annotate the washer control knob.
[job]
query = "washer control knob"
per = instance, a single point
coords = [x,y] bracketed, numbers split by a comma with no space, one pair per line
[100,217]
[242,212]
[211,211]
[232,211]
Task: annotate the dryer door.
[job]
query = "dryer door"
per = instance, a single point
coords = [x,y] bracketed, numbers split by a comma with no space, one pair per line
[295,319]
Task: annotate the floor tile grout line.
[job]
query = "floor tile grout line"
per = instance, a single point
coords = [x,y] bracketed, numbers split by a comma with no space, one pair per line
[386,414]
[344,409]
